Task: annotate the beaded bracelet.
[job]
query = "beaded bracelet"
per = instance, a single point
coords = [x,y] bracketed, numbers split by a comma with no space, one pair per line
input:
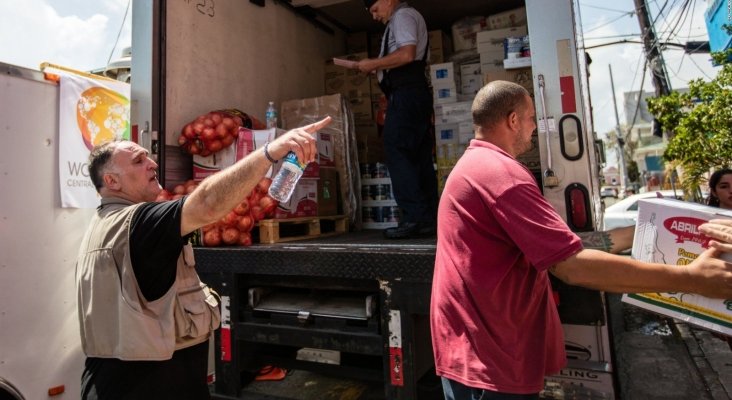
[266,154]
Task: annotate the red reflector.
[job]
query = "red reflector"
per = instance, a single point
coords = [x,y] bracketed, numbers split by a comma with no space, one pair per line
[569,102]
[578,212]
[56,390]
[211,378]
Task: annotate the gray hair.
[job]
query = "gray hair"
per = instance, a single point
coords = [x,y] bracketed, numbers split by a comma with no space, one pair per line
[496,101]
[99,160]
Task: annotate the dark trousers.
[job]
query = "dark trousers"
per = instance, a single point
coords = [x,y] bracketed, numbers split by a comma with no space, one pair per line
[183,377]
[457,391]
[408,149]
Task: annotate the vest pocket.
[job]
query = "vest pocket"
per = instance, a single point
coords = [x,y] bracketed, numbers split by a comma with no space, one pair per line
[196,312]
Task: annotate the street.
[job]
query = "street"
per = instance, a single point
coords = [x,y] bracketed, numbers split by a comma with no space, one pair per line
[659,358]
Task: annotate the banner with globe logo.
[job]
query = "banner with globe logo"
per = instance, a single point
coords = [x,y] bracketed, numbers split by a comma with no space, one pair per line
[91,111]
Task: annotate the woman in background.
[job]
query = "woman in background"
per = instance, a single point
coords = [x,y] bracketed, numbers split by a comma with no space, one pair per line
[720,189]
[720,195]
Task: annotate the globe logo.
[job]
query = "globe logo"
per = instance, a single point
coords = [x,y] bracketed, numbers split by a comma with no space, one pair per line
[102,115]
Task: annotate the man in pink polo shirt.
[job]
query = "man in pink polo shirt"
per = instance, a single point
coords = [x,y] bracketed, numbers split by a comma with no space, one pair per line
[495,328]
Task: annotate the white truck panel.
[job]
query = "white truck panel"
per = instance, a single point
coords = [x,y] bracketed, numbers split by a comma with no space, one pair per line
[552,33]
[39,329]
[240,57]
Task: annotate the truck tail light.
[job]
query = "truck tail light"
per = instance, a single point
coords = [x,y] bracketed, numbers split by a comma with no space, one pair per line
[577,201]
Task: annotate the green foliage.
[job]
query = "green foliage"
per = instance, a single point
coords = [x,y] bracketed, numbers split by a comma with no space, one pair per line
[700,123]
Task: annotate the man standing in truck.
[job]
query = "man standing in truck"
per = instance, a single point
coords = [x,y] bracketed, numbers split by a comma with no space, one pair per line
[400,69]
[144,315]
[495,327]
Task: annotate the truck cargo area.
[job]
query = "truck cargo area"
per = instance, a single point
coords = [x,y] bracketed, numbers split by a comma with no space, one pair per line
[332,313]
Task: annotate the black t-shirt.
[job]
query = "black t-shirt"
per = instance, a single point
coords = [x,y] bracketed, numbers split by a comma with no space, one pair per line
[155,244]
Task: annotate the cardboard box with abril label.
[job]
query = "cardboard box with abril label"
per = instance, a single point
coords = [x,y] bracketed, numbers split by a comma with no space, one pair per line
[667,232]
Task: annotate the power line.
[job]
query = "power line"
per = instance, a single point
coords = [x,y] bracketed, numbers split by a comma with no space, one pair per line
[603,8]
[698,67]
[627,14]
[690,36]
[613,36]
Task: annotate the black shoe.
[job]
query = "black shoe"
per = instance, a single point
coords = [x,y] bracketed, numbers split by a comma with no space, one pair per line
[407,230]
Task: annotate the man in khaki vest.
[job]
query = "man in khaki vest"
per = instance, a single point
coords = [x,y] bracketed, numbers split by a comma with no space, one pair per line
[145,317]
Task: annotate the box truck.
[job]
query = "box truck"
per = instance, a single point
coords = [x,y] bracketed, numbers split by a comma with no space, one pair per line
[351,305]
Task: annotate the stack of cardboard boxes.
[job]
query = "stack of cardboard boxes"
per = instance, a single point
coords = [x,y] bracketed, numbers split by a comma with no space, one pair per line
[488,49]
[324,181]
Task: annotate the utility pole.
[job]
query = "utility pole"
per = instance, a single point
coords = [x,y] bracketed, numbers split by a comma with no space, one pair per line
[619,134]
[652,50]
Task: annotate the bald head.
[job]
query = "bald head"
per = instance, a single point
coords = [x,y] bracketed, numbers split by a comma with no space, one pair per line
[496,101]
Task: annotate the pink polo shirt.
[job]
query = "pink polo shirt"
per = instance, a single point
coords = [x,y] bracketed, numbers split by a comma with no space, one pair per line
[494,322]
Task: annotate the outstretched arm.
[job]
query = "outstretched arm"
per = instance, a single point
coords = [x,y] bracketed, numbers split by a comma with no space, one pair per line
[220,193]
[612,241]
[706,275]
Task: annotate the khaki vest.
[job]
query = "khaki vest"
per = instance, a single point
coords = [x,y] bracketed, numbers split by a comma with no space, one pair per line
[116,320]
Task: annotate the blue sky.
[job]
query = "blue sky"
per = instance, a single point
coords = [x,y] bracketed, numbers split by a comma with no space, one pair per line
[82,34]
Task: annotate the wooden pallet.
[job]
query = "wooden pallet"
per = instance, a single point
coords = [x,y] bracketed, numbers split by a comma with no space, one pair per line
[287,230]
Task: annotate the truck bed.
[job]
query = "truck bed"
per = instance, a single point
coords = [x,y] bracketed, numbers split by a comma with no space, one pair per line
[357,255]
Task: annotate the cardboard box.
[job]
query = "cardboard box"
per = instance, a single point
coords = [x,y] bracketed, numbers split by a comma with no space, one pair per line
[453,112]
[362,109]
[328,192]
[299,112]
[440,46]
[667,232]
[492,58]
[515,63]
[444,93]
[491,66]
[492,40]
[370,144]
[521,76]
[442,74]
[464,30]
[446,133]
[335,77]
[350,83]
[303,203]
[247,141]
[507,19]
[470,78]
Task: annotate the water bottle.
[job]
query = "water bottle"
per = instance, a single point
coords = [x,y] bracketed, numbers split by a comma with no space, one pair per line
[271,116]
[284,182]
